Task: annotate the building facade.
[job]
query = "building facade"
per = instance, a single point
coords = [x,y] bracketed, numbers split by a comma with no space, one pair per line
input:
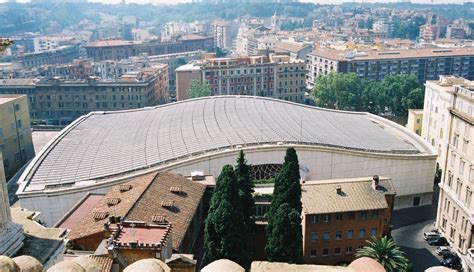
[425,64]
[60,55]
[277,77]
[222,34]
[339,216]
[16,144]
[455,209]
[56,101]
[415,120]
[120,49]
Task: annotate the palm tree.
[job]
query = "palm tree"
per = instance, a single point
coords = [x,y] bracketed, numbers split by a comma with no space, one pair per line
[385,252]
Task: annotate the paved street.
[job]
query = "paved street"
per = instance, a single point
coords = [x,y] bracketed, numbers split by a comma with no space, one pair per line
[409,225]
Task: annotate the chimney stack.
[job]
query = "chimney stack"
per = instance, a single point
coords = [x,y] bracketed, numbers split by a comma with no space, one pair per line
[375,182]
[338,190]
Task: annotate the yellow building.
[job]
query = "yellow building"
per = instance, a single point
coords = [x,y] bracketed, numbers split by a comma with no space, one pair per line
[16,143]
[415,120]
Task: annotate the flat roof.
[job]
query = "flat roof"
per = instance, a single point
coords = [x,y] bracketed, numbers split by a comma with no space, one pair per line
[105,144]
[146,235]
[5,98]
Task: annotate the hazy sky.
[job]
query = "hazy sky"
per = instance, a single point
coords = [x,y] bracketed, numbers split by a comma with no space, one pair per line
[314,1]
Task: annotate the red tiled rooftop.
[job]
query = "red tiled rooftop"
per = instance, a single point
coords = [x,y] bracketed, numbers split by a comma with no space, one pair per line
[80,211]
[147,235]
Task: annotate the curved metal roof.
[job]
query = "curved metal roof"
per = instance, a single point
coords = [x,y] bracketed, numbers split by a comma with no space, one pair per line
[102,144]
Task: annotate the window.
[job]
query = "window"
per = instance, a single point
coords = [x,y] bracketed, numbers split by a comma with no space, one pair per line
[327,218]
[450,179]
[338,235]
[363,215]
[337,251]
[458,186]
[17,107]
[1,133]
[375,214]
[5,163]
[326,236]
[314,219]
[453,158]
[373,232]
[313,253]
[461,167]
[314,236]
[468,197]
[349,250]
[325,252]
[350,234]
[361,233]
[339,217]
[17,156]
[416,201]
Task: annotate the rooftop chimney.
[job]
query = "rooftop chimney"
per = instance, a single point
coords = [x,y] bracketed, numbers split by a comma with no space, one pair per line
[375,182]
[338,190]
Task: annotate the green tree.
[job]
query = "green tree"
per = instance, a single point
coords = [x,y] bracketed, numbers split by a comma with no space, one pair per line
[403,92]
[246,189]
[223,226]
[284,236]
[337,90]
[284,243]
[197,89]
[385,252]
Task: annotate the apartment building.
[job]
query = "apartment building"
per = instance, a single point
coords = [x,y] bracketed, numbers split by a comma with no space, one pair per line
[16,144]
[222,34]
[429,32]
[453,98]
[55,101]
[415,120]
[425,64]
[277,76]
[340,215]
[120,49]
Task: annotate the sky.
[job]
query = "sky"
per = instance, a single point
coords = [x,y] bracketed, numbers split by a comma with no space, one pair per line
[314,1]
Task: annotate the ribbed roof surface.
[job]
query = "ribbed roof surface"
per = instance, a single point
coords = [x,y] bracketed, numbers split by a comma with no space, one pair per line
[104,144]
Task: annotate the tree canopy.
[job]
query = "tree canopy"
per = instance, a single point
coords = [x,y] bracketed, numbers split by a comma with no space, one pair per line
[346,91]
[385,252]
[223,232]
[284,233]
[197,89]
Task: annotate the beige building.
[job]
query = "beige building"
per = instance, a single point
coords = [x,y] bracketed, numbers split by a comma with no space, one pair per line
[453,99]
[415,120]
[16,144]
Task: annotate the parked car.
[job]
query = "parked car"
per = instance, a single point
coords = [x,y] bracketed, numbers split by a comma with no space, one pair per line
[441,250]
[440,241]
[452,262]
[431,234]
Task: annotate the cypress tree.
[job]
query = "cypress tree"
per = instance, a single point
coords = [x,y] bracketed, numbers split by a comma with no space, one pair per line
[287,192]
[223,232]
[284,242]
[246,188]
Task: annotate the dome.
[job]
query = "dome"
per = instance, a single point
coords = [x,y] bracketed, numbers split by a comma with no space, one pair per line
[8,265]
[88,264]
[69,266]
[439,269]
[366,264]
[28,264]
[148,265]
[223,265]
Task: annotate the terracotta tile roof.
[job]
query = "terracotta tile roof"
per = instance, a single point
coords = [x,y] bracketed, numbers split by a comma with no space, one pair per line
[104,261]
[148,199]
[180,214]
[79,211]
[357,194]
[93,223]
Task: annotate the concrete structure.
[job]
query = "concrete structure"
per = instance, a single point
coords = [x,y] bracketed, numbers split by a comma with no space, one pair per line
[222,34]
[429,32]
[11,234]
[98,150]
[415,120]
[277,77]
[16,143]
[425,64]
[340,215]
[453,99]
[60,55]
[58,102]
[120,49]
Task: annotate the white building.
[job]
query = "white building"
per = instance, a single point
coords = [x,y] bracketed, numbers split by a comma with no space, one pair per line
[106,148]
[449,123]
